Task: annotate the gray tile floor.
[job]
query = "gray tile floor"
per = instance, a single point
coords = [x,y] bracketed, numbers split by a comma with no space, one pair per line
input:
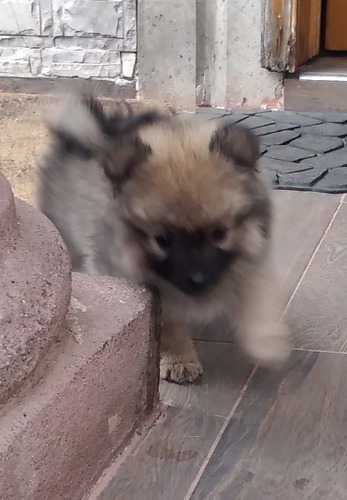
[247,433]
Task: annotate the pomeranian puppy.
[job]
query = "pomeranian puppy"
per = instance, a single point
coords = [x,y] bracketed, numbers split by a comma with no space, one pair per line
[174,202]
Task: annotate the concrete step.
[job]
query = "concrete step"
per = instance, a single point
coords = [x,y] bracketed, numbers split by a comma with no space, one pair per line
[77,377]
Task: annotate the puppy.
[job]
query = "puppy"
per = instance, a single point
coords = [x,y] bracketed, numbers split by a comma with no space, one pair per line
[176,203]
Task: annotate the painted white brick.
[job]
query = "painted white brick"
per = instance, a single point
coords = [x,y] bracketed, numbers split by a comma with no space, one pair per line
[88,17]
[20,17]
[31,42]
[77,38]
[46,17]
[20,61]
[77,43]
[105,71]
[128,60]
[83,56]
[129,17]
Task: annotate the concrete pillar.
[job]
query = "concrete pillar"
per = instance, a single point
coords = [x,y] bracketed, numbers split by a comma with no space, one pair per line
[167,52]
[229,72]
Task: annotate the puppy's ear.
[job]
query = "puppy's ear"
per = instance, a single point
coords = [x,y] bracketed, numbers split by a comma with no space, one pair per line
[237,144]
[120,164]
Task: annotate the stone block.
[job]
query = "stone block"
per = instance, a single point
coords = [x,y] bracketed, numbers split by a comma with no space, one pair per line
[20,17]
[28,42]
[326,129]
[98,386]
[20,61]
[46,16]
[293,118]
[81,63]
[79,370]
[128,61]
[327,117]
[304,180]
[334,182]
[34,289]
[334,159]
[318,144]
[130,25]
[88,18]
[254,122]
[284,167]
[88,43]
[231,119]
[276,127]
[278,138]
[288,153]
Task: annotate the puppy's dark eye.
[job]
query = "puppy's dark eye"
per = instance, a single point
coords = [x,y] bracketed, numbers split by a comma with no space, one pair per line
[218,234]
[164,240]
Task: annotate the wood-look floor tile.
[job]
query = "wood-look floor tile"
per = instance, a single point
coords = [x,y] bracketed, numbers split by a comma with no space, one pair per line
[288,437]
[300,220]
[166,462]
[318,312]
[226,371]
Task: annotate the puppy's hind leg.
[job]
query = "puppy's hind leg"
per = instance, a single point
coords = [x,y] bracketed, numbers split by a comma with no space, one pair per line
[262,333]
[179,361]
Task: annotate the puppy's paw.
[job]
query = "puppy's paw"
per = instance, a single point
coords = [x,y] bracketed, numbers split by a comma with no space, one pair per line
[178,369]
[269,346]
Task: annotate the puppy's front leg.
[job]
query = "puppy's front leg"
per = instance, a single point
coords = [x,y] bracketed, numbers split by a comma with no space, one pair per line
[179,361]
[261,331]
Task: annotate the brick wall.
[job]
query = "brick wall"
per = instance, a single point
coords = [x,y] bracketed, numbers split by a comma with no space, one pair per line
[68,38]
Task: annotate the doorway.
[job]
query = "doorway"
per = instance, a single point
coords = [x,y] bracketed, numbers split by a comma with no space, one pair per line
[307,40]
[330,64]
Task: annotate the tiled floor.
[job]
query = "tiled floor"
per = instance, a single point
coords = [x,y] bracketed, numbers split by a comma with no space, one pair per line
[246,433]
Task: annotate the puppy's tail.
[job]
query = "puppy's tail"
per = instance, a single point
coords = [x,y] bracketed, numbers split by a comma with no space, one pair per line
[80,123]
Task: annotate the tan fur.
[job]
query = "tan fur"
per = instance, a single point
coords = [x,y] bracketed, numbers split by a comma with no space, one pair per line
[189,174]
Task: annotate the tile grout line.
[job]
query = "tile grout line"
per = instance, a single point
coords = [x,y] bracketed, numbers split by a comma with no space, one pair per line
[198,476]
[311,259]
[320,351]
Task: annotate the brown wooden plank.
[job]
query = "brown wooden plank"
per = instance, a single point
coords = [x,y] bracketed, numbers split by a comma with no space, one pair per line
[336,25]
[164,465]
[300,95]
[288,437]
[318,312]
[300,220]
[225,373]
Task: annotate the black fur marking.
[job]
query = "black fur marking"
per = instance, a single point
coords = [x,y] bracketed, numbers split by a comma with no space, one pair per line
[119,168]
[192,263]
[237,144]
[117,124]
[73,146]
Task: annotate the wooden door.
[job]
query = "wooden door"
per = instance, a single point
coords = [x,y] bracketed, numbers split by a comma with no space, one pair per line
[291,33]
[336,25]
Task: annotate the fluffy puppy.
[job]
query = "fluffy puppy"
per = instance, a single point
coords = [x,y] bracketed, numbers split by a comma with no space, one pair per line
[176,203]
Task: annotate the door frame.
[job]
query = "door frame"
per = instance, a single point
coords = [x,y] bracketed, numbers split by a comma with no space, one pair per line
[291,33]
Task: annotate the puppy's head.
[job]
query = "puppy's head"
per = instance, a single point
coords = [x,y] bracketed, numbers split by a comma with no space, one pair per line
[190,194]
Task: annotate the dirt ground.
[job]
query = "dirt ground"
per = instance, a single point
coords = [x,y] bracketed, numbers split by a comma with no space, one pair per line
[23,138]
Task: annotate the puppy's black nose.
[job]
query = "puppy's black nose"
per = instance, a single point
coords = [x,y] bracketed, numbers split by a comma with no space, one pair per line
[197,281]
